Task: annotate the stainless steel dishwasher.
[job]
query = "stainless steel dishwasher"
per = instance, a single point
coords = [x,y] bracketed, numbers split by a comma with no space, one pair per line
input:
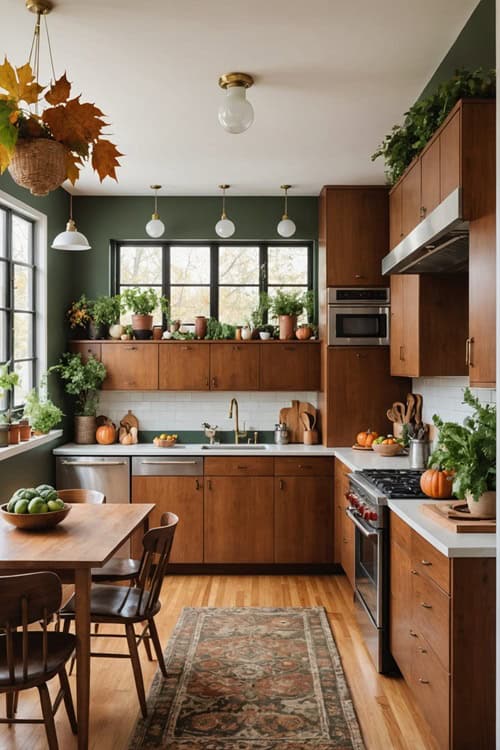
[110,475]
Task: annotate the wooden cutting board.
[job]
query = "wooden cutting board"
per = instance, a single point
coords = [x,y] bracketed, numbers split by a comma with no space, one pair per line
[438,512]
[290,415]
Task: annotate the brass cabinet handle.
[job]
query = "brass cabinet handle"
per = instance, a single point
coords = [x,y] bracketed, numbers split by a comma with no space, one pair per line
[414,572]
[467,352]
[206,381]
[402,353]
[131,348]
[282,484]
[209,484]
[424,682]
[197,484]
[426,606]
[186,348]
[305,466]
[426,562]
[422,650]
[242,467]
[413,634]
[361,356]
[214,382]
[402,234]
[471,342]
[423,211]
[236,348]
[358,276]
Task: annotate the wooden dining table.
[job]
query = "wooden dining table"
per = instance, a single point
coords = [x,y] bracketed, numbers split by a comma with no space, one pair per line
[87,538]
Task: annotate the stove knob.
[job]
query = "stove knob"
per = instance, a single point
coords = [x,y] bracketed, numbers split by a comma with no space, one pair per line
[361,508]
[373,516]
[367,515]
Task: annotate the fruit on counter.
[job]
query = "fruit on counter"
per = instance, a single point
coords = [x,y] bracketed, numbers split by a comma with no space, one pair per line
[387,440]
[41,499]
[165,438]
[366,438]
[437,484]
[106,434]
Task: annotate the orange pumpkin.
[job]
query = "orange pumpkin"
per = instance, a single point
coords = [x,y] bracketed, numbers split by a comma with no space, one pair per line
[366,438]
[105,434]
[437,484]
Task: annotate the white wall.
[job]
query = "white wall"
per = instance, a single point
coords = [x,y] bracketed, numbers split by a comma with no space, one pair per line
[444,396]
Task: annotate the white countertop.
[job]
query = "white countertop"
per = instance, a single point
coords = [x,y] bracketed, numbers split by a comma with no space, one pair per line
[194,449]
[358,460]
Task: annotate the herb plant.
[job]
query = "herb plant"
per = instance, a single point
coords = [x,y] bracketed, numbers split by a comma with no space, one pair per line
[82,380]
[42,413]
[217,331]
[287,303]
[8,380]
[257,315]
[142,302]
[106,310]
[469,449]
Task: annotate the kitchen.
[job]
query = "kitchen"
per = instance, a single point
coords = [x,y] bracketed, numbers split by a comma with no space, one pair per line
[394,313]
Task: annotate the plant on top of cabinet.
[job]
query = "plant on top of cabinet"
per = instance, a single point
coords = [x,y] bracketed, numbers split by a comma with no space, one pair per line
[78,317]
[257,316]
[105,312]
[217,331]
[287,306]
[142,302]
[42,413]
[83,381]
[306,330]
[406,141]
[469,450]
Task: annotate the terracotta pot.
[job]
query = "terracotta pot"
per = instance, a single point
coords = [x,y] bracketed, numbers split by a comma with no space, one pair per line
[25,431]
[142,322]
[14,434]
[85,429]
[486,506]
[157,333]
[287,327]
[304,332]
[237,335]
[200,326]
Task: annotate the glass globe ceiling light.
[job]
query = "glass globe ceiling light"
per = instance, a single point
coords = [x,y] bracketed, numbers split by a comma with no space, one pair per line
[155,227]
[225,227]
[235,111]
[286,227]
[71,239]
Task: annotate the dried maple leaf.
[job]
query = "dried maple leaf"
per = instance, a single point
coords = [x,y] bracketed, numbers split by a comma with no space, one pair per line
[73,164]
[105,159]
[74,124]
[59,91]
[20,84]
[5,157]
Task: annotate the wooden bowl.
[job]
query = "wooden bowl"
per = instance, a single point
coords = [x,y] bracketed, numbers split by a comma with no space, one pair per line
[31,521]
[164,443]
[388,450]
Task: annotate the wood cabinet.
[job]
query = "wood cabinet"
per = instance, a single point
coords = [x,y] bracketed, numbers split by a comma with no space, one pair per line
[184,366]
[442,636]
[395,215]
[449,156]
[290,366]
[357,391]
[234,367]
[303,510]
[481,355]
[182,495]
[353,228]
[410,198]
[341,486]
[430,178]
[85,349]
[130,366]
[429,324]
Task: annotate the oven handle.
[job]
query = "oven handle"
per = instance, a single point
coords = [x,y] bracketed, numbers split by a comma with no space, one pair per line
[365,530]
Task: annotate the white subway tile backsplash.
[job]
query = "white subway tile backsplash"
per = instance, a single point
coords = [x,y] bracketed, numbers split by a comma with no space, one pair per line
[444,396]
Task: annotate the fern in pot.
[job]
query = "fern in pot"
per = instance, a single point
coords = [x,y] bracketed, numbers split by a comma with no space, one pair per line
[469,450]
[287,306]
[82,380]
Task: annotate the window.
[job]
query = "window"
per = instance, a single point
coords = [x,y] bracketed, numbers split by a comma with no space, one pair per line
[17,301]
[221,280]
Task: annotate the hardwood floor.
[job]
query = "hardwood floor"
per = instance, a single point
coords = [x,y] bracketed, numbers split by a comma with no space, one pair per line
[384,705]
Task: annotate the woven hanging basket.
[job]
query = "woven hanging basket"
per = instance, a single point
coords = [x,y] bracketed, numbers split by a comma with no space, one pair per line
[39,165]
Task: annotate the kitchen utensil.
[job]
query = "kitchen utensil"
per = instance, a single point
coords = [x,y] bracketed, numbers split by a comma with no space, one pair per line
[291,416]
[387,450]
[419,453]
[391,416]
[281,434]
[128,422]
[312,419]
[418,408]
[399,410]
[445,514]
[410,408]
[306,421]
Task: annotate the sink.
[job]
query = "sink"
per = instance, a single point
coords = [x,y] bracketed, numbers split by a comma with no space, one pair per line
[234,447]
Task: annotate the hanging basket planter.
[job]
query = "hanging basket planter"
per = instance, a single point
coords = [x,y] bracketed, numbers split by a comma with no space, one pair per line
[39,164]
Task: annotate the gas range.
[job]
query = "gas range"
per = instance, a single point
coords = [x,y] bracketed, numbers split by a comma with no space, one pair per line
[370,490]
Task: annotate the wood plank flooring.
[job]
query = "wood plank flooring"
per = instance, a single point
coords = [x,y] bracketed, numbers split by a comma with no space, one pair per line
[384,705]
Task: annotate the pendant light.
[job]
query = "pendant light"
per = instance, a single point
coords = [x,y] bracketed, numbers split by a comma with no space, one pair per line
[71,239]
[225,227]
[235,111]
[286,227]
[155,227]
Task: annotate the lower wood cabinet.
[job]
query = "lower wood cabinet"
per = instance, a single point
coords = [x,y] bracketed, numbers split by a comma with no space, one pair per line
[442,636]
[303,519]
[85,349]
[344,528]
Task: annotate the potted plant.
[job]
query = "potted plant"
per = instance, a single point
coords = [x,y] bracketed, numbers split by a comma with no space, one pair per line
[105,314]
[287,306]
[42,413]
[257,316]
[83,381]
[306,330]
[42,150]
[78,317]
[469,450]
[142,302]
[8,380]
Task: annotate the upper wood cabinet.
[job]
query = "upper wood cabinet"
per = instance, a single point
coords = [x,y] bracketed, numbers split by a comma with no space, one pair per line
[353,234]
[430,179]
[395,215]
[290,366]
[449,156]
[130,366]
[481,349]
[429,323]
[184,366]
[411,199]
[234,367]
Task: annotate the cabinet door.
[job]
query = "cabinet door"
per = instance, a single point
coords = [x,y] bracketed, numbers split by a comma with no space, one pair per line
[482,297]
[357,235]
[85,348]
[238,519]
[290,366]
[303,520]
[405,311]
[400,618]
[234,367]
[184,367]
[450,157]
[429,162]
[341,487]
[395,217]
[182,496]
[410,199]
[347,552]
[130,366]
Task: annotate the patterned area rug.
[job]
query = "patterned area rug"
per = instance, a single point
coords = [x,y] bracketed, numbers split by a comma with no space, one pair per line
[250,679]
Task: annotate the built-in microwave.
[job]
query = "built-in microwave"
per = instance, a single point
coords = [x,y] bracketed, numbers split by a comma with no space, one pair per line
[358,316]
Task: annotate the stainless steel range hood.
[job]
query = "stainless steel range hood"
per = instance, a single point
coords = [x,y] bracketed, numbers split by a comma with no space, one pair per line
[439,244]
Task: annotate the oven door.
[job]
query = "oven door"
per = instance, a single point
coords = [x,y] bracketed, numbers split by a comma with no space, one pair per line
[358,325]
[368,553]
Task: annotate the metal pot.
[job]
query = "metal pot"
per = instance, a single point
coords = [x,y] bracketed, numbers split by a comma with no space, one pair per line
[419,453]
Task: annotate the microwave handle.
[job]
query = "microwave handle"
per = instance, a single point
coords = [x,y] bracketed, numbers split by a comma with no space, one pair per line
[364,529]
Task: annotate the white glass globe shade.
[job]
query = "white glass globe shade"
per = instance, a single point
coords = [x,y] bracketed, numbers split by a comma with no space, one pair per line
[225,228]
[286,228]
[155,228]
[235,111]
[70,239]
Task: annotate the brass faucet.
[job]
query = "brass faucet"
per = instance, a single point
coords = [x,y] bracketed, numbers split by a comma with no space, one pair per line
[237,434]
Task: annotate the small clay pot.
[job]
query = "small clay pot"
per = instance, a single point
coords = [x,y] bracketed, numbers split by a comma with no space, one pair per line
[287,327]
[14,434]
[142,322]
[24,431]
[157,333]
[200,326]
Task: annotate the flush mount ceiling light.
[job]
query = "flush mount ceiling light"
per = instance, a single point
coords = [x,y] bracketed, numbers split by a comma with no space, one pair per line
[155,228]
[286,227]
[225,227]
[235,111]
[71,239]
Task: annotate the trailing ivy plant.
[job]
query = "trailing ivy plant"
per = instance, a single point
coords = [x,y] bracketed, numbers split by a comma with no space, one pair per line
[406,141]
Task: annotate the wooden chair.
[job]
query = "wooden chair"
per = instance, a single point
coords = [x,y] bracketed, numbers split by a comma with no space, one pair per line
[82,496]
[137,603]
[30,659]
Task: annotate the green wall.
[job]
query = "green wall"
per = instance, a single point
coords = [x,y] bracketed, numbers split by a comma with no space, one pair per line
[473,48]
[103,219]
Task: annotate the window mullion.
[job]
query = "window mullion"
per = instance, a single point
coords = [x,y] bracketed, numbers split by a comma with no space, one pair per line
[166,276]
[214,280]
[263,275]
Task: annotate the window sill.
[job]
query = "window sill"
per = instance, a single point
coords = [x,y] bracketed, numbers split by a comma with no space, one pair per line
[15,450]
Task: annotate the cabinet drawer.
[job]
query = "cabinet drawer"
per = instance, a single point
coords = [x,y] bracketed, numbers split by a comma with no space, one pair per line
[431,616]
[243,466]
[428,561]
[430,684]
[304,467]
[400,533]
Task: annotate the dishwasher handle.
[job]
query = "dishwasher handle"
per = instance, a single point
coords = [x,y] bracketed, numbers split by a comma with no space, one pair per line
[93,463]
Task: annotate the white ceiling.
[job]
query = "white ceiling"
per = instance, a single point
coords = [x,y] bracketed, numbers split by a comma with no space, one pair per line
[331,79]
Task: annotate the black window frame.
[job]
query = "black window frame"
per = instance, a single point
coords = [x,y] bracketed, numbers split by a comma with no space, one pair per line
[214,245]
[7,303]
